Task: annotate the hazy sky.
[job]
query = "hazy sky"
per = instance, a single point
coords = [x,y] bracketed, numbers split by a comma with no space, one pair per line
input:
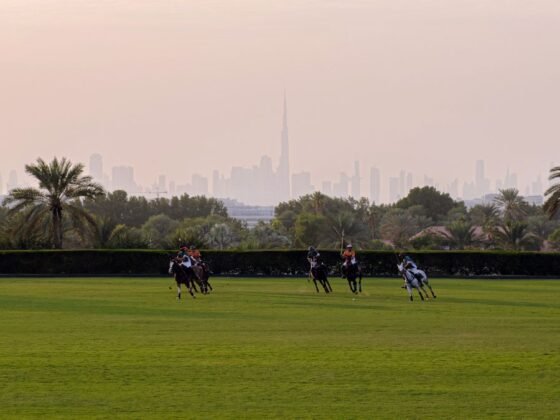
[179,87]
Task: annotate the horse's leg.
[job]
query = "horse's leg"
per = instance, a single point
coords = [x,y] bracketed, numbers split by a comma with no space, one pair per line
[315,283]
[351,285]
[420,293]
[325,288]
[193,282]
[360,283]
[424,290]
[328,284]
[430,287]
[188,285]
[204,286]
[178,290]
[409,291]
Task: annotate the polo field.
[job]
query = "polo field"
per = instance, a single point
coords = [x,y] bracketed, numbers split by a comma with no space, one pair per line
[275,348]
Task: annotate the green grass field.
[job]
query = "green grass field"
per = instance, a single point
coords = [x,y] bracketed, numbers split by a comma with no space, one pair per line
[271,348]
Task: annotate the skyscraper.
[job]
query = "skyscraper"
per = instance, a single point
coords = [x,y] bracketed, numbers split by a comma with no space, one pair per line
[374,185]
[96,167]
[283,174]
[123,179]
[355,182]
[481,182]
[301,184]
[394,195]
[12,181]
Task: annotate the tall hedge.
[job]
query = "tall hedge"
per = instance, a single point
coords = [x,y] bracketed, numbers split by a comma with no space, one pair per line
[275,263]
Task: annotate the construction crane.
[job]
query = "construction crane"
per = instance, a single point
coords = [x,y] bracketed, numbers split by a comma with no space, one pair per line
[157,192]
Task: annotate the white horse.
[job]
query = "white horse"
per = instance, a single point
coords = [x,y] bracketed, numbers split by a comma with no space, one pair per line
[422,280]
[411,282]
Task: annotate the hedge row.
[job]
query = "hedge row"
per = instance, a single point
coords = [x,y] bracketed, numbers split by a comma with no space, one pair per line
[275,263]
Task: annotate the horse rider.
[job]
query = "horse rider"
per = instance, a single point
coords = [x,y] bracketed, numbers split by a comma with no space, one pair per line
[195,255]
[196,258]
[313,257]
[349,257]
[409,264]
[184,258]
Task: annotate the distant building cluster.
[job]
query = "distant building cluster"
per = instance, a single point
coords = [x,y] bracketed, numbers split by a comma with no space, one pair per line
[264,185]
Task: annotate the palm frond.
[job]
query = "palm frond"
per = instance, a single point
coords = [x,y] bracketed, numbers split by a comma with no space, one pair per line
[79,215]
[554,173]
[552,204]
[21,198]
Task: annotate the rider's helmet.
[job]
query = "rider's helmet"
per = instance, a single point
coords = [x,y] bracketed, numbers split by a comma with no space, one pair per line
[349,246]
[311,248]
[193,247]
[183,247]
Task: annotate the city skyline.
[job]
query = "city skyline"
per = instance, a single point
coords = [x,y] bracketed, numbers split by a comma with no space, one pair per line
[381,188]
[391,184]
[263,185]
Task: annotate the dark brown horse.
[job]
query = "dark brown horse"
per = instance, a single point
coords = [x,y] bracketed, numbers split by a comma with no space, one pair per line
[202,275]
[319,274]
[354,277]
[183,275]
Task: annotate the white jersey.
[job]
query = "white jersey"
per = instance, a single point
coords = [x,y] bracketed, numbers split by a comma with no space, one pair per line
[314,261]
[187,262]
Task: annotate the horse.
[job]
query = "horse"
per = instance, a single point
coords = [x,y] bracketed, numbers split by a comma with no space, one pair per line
[319,274]
[411,282]
[354,277]
[201,276]
[182,276]
[423,281]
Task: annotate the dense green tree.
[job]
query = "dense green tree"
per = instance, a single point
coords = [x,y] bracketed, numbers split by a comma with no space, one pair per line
[61,186]
[435,203]
[264,236]
[554,239]
[158,231]
[541,227]
[126,237]
[119,208]
[457,213]
[222,236]
[201,232]
[399,225]
[310,229]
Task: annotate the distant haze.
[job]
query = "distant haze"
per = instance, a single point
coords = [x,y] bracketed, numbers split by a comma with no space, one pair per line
[181,87]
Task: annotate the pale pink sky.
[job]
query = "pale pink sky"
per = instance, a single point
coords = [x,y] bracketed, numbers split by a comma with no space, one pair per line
[182,87]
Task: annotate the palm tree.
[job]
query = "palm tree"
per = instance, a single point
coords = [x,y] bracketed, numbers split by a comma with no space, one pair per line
[318,202]
[552,204]
[61,188]
[511,204]
[461,234]
[513,235]
[345,226]
[487,216]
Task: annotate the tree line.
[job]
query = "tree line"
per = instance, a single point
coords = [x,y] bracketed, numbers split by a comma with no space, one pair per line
[69,210]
